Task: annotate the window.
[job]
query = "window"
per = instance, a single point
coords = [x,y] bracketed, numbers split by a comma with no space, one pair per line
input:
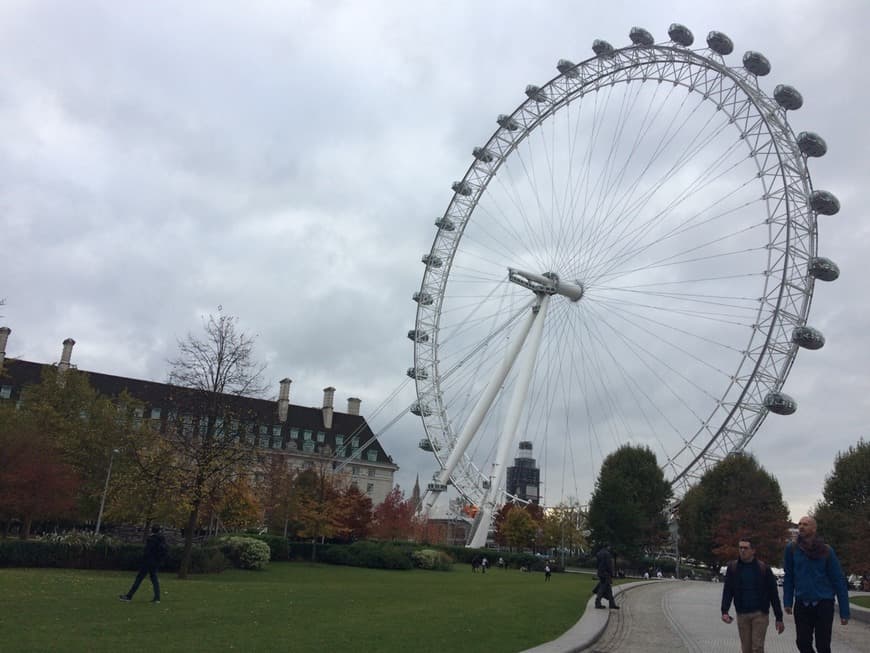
[5,391]
[354,470]
[276,431]
[306,435]
[354,442]
[219,426]
[203,425]
[308,446]
[371,473]
[339,440]
[155,413]
[370,487]
[294,434]
[321,436]
[264,430]
[372,455]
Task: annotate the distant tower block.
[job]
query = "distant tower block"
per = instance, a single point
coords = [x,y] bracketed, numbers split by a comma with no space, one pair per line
[524,478]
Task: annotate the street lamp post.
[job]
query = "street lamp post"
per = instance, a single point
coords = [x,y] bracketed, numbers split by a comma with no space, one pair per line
[105,491]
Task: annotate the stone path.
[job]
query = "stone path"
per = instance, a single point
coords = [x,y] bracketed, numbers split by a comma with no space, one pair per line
[683,617]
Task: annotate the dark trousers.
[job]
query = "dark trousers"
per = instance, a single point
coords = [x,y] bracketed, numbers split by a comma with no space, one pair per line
[146,570]
[605,590]
[815,619]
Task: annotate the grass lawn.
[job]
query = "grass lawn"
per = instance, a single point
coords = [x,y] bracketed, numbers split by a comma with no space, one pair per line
[289,607]
[863,601]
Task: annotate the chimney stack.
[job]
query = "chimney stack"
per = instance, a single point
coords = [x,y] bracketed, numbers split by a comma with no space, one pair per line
[65,357]
[284,400]
[4,336]
[328,396]
[353,405]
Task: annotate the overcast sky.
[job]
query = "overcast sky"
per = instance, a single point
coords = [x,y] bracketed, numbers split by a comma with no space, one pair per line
[286,160]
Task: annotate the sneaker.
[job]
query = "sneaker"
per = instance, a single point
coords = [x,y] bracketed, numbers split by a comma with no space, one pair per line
[600,607]
[125,598]
[155,600]
[614,607]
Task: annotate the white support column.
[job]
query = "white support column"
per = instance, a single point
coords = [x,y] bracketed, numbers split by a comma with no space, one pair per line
[475,419]
[509,430]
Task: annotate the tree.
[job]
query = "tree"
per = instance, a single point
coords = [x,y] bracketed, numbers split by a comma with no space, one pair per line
[35,482]
[317,505]
[353,515]
[843,515]
[628,504]
[562,527]
[393,519]
[736,498]
[213,442]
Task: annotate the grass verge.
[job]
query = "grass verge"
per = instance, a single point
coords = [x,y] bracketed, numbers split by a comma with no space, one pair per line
[290,607]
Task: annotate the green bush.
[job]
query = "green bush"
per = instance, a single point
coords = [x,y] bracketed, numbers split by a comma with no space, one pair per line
[246,552]
[374,555]
[279,545]
[432,559]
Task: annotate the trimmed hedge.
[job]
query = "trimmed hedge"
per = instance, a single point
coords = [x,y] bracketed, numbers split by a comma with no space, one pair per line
[246,552]
[373,555]
[432,559]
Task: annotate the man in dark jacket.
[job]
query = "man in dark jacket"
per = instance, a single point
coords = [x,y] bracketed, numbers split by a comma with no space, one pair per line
[155,552]
[813,577]
[752,586]
[606,572]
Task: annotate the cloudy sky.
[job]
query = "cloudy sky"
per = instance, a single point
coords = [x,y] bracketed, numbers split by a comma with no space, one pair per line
[286,160]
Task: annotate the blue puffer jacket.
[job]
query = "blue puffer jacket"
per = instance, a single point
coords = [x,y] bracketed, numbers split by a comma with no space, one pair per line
[813,580]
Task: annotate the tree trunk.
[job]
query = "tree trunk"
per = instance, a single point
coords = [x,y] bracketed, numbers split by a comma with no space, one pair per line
[24,533]
[188,541]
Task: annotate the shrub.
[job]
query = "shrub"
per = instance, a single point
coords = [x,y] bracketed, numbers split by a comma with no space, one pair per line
[278,544]
[432,559]
[246,552]
[373,555]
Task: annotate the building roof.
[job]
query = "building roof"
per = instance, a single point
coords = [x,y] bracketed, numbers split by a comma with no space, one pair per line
[258,413]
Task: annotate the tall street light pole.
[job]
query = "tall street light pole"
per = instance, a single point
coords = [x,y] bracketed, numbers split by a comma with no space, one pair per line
[105,491]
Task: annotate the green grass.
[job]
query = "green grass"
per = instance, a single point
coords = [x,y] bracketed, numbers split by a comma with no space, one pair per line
[863,601]
[289,607]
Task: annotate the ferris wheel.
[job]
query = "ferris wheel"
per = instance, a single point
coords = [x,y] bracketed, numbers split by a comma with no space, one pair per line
[629,258]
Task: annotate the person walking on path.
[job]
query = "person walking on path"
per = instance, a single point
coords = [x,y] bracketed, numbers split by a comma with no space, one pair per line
[812,578]
[752,586]
[606,572]
[155,551]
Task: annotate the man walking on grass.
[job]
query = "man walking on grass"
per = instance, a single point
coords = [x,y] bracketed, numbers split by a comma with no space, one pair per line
[155,552]
[752,586]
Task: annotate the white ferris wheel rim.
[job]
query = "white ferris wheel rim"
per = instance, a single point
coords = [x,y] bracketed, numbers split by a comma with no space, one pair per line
[791,245]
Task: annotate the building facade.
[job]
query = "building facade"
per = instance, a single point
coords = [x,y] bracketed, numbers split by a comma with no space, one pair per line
[304,437]
[524,477]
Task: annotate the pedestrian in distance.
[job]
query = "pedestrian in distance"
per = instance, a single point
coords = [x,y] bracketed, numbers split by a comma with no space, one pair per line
[606,572]
[484,564]
[155,552]
[547,573]
[750,583]
[812,578]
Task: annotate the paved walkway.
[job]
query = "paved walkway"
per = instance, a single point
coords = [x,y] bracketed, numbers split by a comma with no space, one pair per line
[681,617]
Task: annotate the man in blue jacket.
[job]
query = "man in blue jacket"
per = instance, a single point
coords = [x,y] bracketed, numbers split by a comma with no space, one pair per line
[812,577]
[752,586]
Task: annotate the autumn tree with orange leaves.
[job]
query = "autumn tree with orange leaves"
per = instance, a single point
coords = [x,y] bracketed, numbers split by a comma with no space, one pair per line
[393,519]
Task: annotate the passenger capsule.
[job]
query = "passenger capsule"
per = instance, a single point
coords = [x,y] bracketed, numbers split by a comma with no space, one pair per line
[535,93]
[437,487]
[823,269]
[567,68]
[780,403]
[425,445]
[639,36]
[719,43]
[432,261]
[482,154]
[420,375]
[681,35]
[507,122]
[808,337]
[461,188]
[756,63]
[445,224]
[788,97]
[418,335]
[423,298]
[602,48]
[421,409]
[812,144]
[824,202]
